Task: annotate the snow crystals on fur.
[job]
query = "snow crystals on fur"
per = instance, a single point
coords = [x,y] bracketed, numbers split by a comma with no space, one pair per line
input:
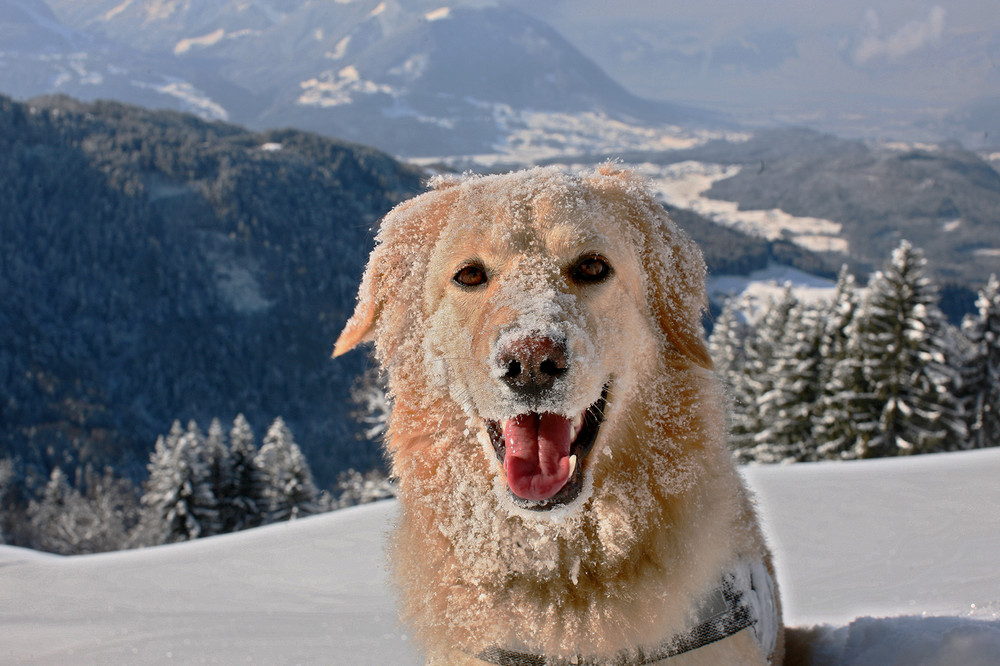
[487,553]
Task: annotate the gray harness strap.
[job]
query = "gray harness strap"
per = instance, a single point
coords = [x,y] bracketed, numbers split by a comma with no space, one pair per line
[744,598]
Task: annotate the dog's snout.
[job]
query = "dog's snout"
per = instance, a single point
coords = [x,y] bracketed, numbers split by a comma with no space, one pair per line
[533,364]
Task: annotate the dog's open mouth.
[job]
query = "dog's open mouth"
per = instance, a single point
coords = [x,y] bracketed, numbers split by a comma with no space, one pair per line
[543,455]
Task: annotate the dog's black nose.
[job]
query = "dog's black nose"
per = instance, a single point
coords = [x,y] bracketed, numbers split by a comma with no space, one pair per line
[532,364]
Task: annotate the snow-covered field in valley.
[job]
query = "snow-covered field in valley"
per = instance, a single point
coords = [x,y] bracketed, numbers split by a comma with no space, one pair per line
[899,558]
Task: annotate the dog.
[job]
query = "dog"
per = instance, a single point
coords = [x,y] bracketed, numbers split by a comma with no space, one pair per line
[559,438]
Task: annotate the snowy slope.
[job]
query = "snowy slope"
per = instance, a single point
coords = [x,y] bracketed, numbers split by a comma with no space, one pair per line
[760,289]
[909,537]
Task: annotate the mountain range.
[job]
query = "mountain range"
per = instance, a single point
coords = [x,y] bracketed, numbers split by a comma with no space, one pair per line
[876,69]
[410,77]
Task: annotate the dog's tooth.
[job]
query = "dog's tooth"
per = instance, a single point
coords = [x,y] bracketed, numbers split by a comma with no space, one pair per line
[572,464]
[577,425]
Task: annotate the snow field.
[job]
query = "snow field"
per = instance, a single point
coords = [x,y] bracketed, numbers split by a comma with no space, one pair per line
[897,557]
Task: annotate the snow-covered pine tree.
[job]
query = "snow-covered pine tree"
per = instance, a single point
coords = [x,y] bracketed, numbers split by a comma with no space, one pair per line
[289,487]
[96,516]
[983,374]
[370,395]
[838,316]
[7,510]
[841,378]
[202,464]
[726,345]
[902,344]
[217,453]
[786,410]
[112,507]
[757,379]
[357,488]
[157,515]
[48,516]
[220,472]
[245,497]
[179,503]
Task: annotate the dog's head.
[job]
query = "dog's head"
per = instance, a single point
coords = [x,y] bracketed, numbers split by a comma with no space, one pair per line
[540,304]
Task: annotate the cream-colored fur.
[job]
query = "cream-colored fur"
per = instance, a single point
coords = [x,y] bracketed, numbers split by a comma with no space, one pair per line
[663,511]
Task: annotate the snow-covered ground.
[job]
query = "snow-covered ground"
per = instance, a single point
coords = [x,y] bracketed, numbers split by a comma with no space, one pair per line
[760,289]
[529,137]
[684,185]
[680,184]
[900,558]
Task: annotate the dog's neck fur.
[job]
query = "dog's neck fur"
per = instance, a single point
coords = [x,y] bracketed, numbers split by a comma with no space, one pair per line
[490,556]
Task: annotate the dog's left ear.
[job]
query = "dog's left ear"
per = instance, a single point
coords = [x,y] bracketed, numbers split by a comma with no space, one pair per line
[679,300]
[675,264]
[677,275]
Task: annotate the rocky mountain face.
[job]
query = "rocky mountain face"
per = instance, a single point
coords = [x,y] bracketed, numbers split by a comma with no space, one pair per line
[155,266]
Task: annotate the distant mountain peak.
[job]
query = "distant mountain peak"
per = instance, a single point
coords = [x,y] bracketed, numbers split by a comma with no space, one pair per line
[421,77]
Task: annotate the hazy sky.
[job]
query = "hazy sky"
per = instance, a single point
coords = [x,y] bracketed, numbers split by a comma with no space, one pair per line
[848,60]
[799,14]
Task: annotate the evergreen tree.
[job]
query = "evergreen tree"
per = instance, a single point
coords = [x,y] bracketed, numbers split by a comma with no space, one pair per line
[370,396]
[220,465]
[901,338]
[841,380]
[245,497]
[52,531]
[786,410]
[70,522]
[357,488]
[112,507]
[726,347]
[725,344]
[757,379]
[289,488]
[203,465]
[983,375]
[6,499]
[179,503]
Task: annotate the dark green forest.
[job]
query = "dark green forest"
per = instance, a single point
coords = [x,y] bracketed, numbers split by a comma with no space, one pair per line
[154,266]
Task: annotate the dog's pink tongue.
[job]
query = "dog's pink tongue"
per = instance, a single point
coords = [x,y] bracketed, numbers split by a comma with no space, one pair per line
[537,457]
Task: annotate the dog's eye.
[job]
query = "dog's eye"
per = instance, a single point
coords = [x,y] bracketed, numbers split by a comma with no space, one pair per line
[591,268]
[472,275]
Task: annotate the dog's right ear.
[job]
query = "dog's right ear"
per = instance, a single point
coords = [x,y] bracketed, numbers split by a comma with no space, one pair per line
[392,281]
[361,326]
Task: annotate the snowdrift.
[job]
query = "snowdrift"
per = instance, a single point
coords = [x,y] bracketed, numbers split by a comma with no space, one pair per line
[897,560]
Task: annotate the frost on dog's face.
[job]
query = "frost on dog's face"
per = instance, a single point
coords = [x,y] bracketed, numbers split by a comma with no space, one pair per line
[529,296]
[553,414]
[537,304]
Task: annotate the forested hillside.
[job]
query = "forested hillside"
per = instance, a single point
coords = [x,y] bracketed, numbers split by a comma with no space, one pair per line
[154,266]
[942,198]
